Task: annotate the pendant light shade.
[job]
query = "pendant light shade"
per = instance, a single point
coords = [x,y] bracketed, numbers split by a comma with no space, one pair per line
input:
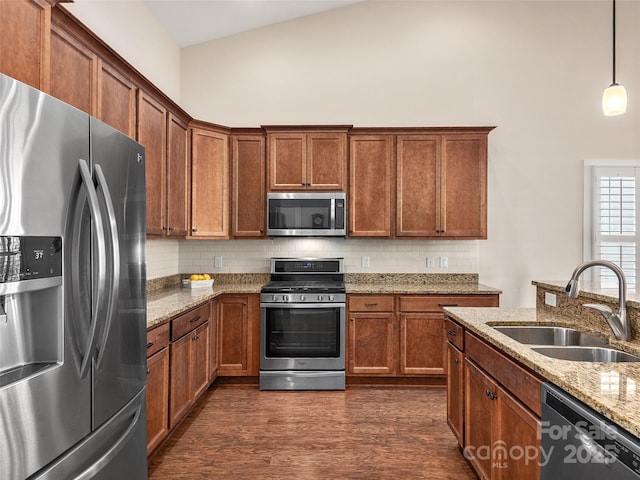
[614,98]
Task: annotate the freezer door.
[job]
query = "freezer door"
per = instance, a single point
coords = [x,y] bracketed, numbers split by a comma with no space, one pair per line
[117,450]
[120,362]
[43,411]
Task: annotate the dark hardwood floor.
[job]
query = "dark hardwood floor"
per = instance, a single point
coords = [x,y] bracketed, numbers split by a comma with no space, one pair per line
[361,433]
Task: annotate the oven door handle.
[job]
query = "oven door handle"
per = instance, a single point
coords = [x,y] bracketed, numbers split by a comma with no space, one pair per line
[303,305]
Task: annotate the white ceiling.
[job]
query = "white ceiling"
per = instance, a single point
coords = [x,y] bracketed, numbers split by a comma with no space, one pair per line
[196,21]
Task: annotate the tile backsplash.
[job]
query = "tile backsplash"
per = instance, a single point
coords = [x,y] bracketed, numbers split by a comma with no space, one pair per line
[252,256]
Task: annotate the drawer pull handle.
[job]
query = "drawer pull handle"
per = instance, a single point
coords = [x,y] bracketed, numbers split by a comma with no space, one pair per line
[451,333]
[193,320]
[370,304]
[149,345]
[491,395]
[447,304]
[457,360]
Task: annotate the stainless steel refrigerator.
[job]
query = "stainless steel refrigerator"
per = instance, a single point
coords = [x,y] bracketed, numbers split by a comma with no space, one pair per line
[72,293]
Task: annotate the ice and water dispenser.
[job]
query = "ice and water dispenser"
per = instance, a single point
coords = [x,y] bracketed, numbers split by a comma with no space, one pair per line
[31,303]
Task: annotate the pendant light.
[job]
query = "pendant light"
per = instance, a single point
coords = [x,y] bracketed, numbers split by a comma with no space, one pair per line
[614,98]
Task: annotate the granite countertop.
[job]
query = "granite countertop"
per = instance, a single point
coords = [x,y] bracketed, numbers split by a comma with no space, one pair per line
[412,288]
[613,389]
[166,304]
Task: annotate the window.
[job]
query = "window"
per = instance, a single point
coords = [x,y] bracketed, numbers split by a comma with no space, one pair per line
[612,192]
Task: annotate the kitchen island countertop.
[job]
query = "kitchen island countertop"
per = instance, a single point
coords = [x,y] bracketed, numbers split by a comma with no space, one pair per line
[613,389]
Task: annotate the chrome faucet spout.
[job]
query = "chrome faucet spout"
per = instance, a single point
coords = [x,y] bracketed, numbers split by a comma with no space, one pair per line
[618,321]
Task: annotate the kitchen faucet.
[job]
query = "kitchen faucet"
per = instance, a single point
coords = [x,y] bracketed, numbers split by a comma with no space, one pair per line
[618,321]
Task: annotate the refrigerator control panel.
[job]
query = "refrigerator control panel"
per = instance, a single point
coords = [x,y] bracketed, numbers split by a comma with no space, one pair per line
[29,258]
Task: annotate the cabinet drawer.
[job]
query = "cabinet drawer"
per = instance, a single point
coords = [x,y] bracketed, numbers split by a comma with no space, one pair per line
[454,333]
[435,303]
[520,382]
[157,339]
[190,320]
[371,304]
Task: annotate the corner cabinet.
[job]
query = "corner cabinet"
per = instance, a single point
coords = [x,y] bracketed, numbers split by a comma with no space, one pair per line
[209,182]
[307,158]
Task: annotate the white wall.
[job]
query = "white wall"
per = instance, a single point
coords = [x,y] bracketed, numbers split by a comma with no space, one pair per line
[130,29]
[534,69]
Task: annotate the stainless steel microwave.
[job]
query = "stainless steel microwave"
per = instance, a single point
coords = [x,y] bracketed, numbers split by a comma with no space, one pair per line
[308,214]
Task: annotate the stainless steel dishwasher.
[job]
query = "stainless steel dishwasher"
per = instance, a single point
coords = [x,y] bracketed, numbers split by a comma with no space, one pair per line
[578,442]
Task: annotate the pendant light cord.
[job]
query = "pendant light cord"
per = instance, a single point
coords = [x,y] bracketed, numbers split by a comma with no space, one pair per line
[614,43]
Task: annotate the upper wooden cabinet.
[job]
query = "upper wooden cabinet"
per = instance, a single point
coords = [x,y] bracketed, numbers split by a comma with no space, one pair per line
[307,160]
[209,182]
[248,186]
[441,185]
[116,99]
[164,136]
[24,41]
[371,193]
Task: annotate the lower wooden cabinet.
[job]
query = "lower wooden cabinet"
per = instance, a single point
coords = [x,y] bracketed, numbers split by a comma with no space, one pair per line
[189,361]
[238,335]
[493,408]
[401,335]
[213,341]
[157,386]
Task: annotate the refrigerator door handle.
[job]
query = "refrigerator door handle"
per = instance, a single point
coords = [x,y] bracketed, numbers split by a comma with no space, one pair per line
[105,459]
[94,209]
[114,294]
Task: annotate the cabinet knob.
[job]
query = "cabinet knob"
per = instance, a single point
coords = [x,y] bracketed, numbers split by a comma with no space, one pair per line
[457,360]
[148,371]
[194,229]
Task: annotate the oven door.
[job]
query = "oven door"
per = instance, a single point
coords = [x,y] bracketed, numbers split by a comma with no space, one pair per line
[302,336]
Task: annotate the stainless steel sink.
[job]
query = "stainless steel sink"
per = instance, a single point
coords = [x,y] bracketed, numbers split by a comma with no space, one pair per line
[587,354]
[544,335]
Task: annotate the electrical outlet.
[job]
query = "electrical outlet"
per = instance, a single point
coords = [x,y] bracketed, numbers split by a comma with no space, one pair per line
[217,261]
[366,261]
[550,299]
[431,262]
[444,262]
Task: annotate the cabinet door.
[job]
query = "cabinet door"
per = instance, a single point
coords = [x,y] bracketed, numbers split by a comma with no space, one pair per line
[421,344]
[116,99]
[371,197]
[157,398]
[177,177]
[233,341]
[213,341]
[455,392]
[287,161]
[209,184]
[24,39]
[464,186]
[327,161]
[248,190]
[480,419]
[518,433]
[200,359]
[152,134]
[181,378]
[371,341]
[74,70]
[418,179]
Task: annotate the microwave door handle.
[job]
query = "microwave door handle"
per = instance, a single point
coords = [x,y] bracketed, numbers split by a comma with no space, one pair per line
[333,214]
[96,216]
[113,300]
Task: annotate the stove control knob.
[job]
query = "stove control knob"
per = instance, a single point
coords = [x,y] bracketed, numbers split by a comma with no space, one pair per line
[320,298]
[331,297]
[303,298]
[285,298]
[274,298]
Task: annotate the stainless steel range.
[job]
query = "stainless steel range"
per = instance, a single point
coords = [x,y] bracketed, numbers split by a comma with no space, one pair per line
[302,327]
